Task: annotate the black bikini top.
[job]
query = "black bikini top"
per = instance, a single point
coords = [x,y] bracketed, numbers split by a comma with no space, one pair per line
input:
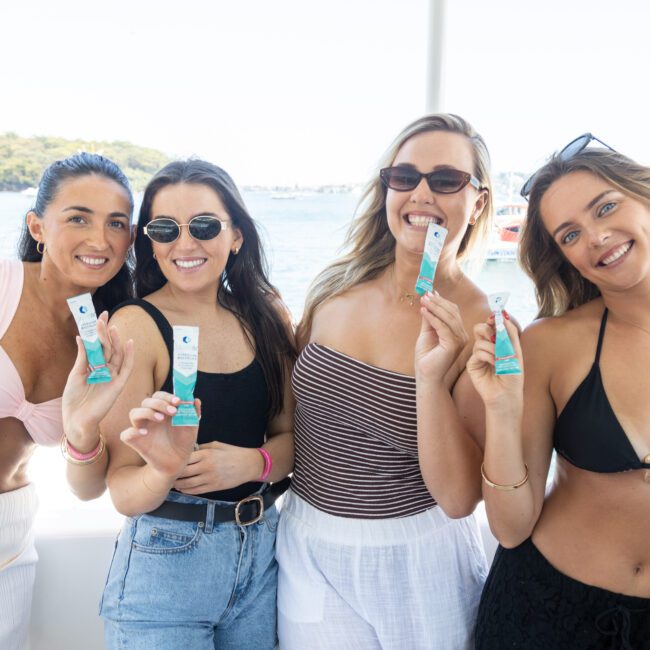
[588,433]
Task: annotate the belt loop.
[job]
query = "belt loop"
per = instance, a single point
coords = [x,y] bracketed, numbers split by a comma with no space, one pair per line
[209,518]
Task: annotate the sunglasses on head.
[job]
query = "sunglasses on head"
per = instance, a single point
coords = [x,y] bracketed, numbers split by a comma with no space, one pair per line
[440,181]
[165,230]
[572,149]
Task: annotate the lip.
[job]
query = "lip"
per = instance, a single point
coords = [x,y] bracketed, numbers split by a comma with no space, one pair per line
[611,251]
[197,263]
[428,216]
[90,265]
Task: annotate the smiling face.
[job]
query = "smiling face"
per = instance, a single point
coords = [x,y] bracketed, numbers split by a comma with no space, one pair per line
[410,212]
[190,264]
[603,232]
[86,230]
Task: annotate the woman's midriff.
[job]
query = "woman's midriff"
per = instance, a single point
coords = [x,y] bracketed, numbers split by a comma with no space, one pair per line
[595,528]
[16,448]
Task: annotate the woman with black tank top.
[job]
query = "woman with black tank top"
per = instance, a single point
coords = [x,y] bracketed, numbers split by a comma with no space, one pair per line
[375,545]
[573,570]
[194,563]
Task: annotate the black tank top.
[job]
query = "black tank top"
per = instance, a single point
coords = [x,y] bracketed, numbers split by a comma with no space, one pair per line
[588,433]
[234,406]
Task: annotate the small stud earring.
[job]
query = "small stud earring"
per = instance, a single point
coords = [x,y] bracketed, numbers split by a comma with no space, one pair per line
[154,256]
[235,251]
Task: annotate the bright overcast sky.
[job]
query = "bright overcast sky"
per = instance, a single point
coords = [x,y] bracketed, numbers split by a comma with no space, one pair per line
[293,91]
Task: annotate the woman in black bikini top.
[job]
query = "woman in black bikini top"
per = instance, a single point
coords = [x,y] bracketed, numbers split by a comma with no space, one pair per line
[574,567]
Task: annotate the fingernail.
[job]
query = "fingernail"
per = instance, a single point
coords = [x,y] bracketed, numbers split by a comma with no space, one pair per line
[493,338]
[143,432]
[159,416]
[176,400]
[171,410]
[506,315]
[429,294]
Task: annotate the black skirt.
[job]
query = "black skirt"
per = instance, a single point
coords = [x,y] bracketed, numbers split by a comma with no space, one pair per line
[527,603]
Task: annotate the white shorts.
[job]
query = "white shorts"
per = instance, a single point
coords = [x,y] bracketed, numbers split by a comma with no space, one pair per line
[17,565]
[363,584]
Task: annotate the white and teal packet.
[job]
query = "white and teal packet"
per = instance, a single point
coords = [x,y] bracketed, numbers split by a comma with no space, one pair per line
[505,359]
[432,248]
[83,310]
[186,365]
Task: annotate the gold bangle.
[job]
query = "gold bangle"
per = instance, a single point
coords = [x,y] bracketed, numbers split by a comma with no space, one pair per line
[89,460]
[503,488]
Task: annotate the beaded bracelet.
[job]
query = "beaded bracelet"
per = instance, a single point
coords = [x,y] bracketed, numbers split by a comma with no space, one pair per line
[268,464]
[75,457]
[498,486]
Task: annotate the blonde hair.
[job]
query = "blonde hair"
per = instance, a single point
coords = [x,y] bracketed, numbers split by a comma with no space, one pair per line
[558,285]
[369,243]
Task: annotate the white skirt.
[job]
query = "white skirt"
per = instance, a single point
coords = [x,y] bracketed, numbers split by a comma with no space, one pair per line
[17,565]
[363,584]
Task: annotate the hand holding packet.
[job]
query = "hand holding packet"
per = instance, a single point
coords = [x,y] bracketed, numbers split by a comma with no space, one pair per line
[432,248]
[505,359]
[186,365]
[83,310]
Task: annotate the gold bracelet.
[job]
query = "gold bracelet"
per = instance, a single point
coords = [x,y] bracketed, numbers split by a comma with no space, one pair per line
[83,459]
[504,488]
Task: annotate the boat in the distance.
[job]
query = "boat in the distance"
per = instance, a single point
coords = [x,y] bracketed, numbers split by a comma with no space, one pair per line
[504,241]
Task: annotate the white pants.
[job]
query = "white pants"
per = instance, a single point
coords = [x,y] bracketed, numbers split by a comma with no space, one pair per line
[363,584]
[17,566]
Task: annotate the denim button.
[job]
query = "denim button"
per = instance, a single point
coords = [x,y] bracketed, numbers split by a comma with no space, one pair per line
[154,531]
[201,524]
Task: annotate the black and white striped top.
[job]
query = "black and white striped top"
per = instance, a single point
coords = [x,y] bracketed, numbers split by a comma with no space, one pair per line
[356,438]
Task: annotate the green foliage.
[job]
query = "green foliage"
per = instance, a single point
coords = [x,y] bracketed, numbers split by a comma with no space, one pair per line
[23,160]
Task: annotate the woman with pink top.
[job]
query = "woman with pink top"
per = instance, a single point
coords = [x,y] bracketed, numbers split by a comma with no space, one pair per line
[75,240]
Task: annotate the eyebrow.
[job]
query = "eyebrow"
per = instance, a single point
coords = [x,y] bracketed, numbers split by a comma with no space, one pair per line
[590,205]
[81,208]
[198,214]
[435,169]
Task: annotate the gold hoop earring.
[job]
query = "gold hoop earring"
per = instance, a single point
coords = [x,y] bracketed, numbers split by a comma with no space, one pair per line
[40,248]
[154,256]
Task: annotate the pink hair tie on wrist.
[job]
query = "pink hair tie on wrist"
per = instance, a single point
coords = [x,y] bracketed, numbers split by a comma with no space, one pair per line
[268,464]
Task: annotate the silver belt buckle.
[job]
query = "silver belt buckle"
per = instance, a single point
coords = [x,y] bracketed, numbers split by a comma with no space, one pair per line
[250,499]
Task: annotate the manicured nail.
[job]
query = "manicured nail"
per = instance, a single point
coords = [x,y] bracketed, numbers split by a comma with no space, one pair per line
[493,338]
[506,315]
[159,416]
[171,410]
[143,432]
[175,400]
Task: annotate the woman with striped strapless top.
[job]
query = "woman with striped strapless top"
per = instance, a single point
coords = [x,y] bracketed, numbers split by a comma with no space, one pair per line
[376,548]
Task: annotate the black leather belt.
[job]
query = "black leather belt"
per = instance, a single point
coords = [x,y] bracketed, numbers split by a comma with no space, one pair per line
[244,513]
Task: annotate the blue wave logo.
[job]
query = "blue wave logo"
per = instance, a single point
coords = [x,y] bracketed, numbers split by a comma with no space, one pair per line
[186,339]
[83,309]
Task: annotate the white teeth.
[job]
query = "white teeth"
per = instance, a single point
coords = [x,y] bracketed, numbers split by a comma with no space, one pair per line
[421,220]
[188,264]
[93,261]
[619,252]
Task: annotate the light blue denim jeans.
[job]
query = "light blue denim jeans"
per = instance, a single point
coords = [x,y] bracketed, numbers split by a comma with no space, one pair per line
[202,586]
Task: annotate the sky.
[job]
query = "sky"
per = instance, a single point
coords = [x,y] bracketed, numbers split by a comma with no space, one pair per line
[299,92]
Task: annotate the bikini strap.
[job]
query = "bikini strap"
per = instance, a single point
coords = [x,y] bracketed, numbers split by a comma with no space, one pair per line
[601,335]
[157,316]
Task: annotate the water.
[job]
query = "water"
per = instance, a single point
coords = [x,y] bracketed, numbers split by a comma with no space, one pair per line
[301,236]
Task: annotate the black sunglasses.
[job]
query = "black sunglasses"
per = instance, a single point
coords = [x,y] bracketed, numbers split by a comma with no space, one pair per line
[573,148]
[165,230]
[441,181]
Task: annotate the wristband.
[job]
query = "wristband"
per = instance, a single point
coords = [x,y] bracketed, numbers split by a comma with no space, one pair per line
[268,464]
[75,457]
